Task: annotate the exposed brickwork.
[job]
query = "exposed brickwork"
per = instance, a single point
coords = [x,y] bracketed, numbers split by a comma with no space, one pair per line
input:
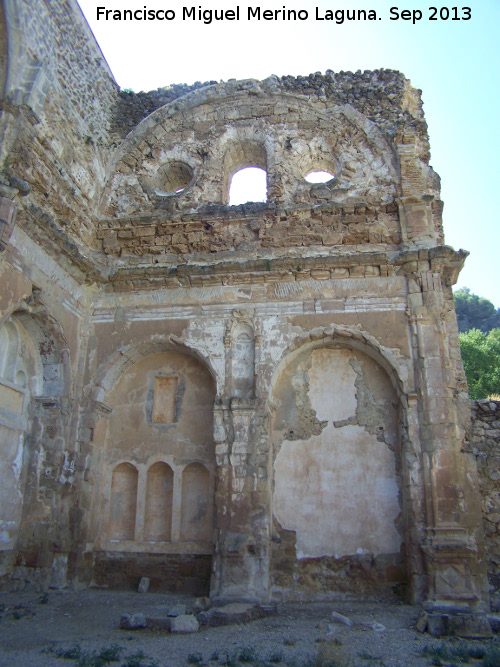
[167,574]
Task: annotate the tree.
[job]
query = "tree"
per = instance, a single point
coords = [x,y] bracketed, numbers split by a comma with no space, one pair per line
[474,312]
[481,357]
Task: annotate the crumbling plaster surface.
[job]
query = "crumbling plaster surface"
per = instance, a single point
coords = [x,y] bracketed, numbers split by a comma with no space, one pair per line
[342,478]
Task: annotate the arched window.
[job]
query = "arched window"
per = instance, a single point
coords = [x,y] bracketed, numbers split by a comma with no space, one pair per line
[245,176]
[248,185]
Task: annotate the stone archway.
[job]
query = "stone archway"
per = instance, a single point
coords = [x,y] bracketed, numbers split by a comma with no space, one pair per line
[152,471]
[337,495]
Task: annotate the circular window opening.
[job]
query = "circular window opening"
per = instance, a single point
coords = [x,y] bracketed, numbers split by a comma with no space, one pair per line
[319,176]
[248,185]
[174,177]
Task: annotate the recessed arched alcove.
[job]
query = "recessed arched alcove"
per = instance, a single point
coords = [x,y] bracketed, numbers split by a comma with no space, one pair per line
[337,487]
[196,505]
[33,367]
[123,502]
[159,496]
[160,421]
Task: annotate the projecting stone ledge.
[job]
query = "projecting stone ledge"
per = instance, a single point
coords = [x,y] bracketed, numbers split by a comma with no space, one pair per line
[235,613]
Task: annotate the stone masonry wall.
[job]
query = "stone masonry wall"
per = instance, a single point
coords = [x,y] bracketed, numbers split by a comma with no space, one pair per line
[55,118]
[484,439]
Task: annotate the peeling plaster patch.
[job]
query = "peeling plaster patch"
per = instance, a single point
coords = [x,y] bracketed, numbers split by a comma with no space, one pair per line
[330,368]
[207,338]
[343,479]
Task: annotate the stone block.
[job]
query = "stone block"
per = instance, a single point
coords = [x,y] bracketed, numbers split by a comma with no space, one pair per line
[184,624]
[133,622]
[143,585]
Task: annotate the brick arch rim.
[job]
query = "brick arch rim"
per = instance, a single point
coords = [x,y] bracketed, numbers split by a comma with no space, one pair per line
[122,359]
[346,338]
[345,113]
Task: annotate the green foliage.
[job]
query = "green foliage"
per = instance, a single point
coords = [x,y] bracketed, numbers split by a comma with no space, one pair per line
[474,312]
[103,657]
[139,660]
[481,357]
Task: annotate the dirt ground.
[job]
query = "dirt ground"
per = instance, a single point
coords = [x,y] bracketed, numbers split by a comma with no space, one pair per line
[37,630]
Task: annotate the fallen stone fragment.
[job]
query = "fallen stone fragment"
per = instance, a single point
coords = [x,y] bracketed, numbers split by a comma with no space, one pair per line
[143,585]
[133,622]
[202,604]
[421,624]
[177,610]
[377,627]
[159,623]
[494,623]
[338,618]
[184,624]
[234,613]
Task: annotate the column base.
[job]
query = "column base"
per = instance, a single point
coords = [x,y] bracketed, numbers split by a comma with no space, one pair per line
[458,620]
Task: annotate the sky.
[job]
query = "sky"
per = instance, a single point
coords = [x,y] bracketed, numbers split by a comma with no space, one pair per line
[456,63]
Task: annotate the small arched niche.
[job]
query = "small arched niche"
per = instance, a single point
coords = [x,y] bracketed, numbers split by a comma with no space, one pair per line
[196,504]
[242,360]
[123,502]
[245,161]
[159,494]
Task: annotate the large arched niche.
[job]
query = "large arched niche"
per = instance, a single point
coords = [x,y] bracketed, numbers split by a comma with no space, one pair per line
[152,454]
[337,497]
[34,378]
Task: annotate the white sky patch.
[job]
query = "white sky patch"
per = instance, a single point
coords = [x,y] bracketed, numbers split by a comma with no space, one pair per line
[248,185]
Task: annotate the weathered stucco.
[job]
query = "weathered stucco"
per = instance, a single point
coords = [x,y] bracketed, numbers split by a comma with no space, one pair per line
[262,401]
[342,479]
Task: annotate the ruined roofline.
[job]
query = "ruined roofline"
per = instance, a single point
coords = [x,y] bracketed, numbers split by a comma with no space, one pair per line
[384,96]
